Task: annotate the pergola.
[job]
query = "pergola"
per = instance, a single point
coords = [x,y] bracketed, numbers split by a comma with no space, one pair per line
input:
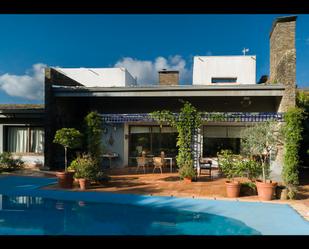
[119,118]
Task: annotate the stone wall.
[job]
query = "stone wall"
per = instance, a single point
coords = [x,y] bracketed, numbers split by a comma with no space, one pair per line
[286,73]
[283,59]
[282,39]
[283,71]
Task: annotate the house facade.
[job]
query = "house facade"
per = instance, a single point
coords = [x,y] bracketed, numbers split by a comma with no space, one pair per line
[22,132]
[224,85]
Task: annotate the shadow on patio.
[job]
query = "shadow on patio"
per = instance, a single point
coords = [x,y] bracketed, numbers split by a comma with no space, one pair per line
[127,180]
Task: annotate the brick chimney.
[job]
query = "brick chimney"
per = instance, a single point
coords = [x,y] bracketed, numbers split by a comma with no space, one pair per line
[168,77]
[283,58]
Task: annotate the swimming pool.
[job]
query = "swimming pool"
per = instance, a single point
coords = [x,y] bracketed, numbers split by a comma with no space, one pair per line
[27,210]
[41,216]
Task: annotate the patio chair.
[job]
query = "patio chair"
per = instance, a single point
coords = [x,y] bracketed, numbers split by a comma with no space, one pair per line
[141,163]
[219,157]
[206,165]
[162,155]
[158,163]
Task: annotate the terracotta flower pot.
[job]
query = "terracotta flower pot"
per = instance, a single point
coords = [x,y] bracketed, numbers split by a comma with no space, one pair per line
[76,181]
[65,179]
[187,179]
[266,190]
[232,189]
[83,183]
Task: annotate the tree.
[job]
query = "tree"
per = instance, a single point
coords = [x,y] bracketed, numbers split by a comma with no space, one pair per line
[68,138]
[259,140]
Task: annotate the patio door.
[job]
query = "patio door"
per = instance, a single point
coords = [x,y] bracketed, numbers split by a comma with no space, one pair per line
[152,139]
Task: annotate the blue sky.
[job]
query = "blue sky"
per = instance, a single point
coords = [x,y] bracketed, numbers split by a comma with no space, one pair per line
[109,40]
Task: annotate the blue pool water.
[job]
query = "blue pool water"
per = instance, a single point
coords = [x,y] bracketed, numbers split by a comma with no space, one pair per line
[25,209]
[42,216]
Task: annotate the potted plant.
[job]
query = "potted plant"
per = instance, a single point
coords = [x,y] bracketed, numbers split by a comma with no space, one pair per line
[230,168]
[248,188]
[250,169]
[68,138]
[259,140]
[72,168]
[187,173]
[86,170]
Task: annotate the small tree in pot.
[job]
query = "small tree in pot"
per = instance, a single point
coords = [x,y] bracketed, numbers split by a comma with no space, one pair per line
[68,138]
[230,168]
[257,142]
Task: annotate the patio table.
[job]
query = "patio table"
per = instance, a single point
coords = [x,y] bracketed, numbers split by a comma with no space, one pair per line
[171,162]
[110,157]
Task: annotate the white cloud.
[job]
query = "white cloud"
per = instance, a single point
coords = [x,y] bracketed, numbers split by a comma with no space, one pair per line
[147,71]
[28,86]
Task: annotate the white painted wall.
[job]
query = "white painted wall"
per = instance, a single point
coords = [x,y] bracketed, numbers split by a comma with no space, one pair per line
[99,77]
[31,160]
[207,67]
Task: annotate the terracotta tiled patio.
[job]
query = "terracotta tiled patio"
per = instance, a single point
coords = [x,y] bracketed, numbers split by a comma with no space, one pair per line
[127,180]
[166,184]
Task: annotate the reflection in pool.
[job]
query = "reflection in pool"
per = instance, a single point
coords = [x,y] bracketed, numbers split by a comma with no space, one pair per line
[25,215]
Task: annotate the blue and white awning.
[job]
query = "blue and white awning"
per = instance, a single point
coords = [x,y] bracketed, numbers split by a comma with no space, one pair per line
[206,117]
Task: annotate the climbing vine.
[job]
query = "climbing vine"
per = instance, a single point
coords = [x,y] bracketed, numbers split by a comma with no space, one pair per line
[302,101]
[94,132]
[292,135]
[186,122]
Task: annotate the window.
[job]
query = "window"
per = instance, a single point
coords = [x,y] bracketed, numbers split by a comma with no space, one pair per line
[21,139]
[152,140]
[213,145]
[223,80]
[217,138]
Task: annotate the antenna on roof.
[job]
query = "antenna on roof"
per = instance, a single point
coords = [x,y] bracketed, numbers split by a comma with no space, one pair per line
[245,50]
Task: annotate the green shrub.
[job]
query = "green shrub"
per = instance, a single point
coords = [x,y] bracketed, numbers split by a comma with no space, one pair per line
[187,171]
[88,167]
[74,164]
[302,101]
[235,165]
[249,185]
[94,133]
[230,164]
[292,135]
[248,188]
[252,169]
[8,163]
